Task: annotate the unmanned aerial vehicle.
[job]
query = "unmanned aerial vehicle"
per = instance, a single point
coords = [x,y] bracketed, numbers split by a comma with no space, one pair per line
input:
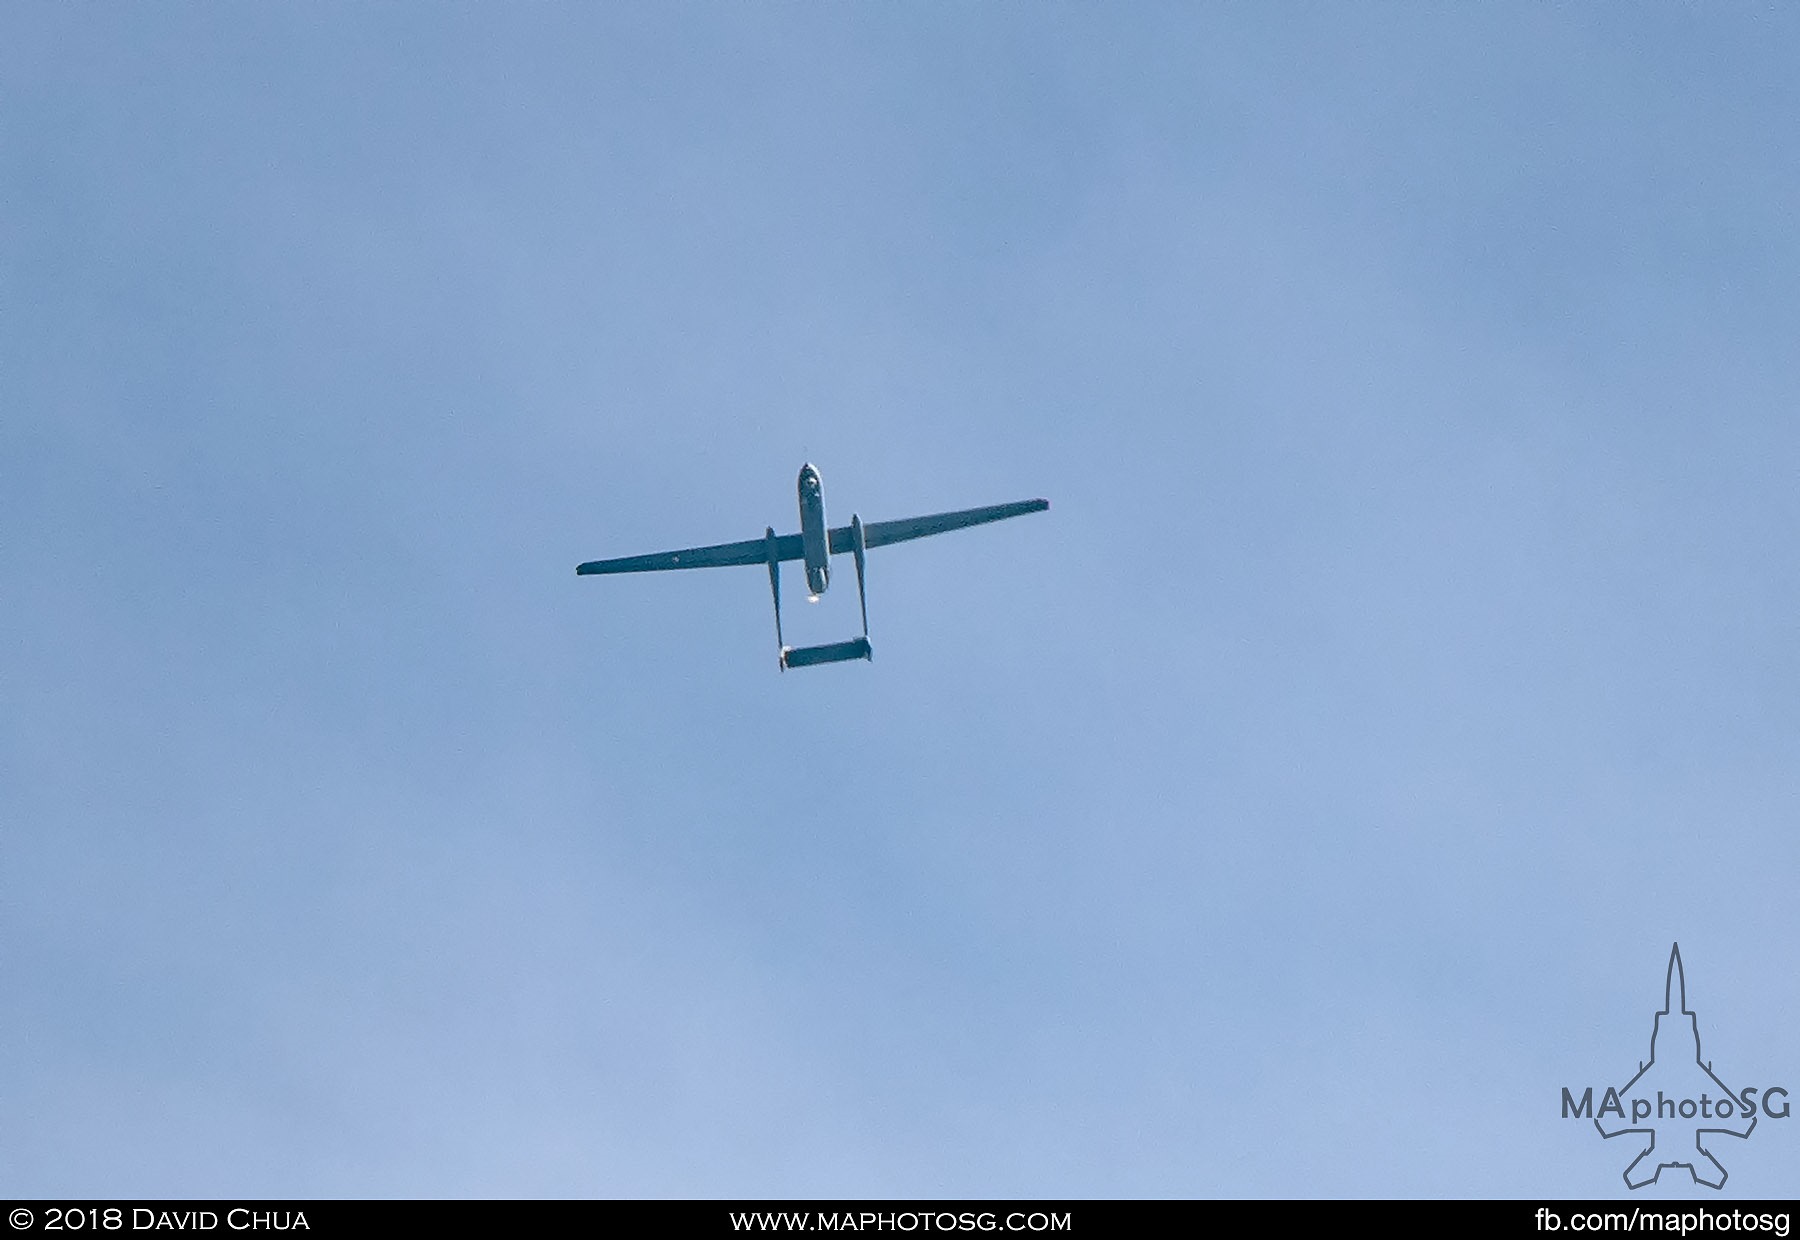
[816,543]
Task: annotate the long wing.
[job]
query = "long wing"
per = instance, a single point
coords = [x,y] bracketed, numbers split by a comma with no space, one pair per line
[724,555]
[881,533]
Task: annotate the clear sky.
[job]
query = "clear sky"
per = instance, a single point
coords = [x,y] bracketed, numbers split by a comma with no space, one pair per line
[1408,657]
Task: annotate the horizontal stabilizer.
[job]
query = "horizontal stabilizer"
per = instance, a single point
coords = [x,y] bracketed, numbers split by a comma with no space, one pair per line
[836,652]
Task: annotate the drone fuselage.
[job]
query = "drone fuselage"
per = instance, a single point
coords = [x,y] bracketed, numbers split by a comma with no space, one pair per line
[815,537]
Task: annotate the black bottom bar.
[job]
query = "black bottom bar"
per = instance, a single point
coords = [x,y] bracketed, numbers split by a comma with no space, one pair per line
[1731,1219]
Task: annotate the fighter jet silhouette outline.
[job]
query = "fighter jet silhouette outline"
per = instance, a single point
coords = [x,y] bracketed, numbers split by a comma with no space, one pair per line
[1671,1132]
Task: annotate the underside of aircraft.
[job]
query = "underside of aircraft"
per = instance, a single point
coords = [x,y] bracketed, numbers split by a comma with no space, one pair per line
[815,544]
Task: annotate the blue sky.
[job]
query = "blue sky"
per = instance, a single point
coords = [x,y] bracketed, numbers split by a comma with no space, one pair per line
[1407,659]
